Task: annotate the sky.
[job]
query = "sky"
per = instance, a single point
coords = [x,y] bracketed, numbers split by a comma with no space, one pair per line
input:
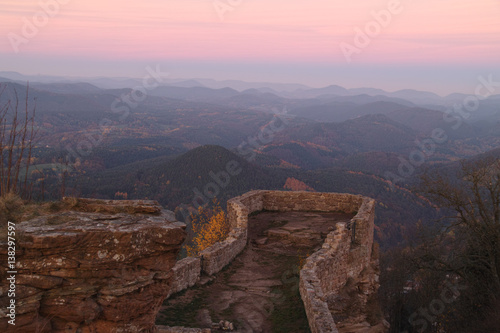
[434,45]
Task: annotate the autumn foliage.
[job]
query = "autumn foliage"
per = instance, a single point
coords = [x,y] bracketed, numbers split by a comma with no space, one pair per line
[294,184]
[210,226]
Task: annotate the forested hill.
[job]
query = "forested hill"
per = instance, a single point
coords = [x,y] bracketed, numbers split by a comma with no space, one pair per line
[210,170]
[202,173]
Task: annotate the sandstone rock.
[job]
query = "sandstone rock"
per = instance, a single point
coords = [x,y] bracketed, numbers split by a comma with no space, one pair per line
[27,324]
[203,317]
[166,329]
[104,266]
[39,281]
[205,279]
[278,233]
[293,228]
[261,241]
[114,206]
[223,325]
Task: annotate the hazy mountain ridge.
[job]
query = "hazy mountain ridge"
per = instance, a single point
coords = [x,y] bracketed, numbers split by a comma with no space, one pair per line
[287,90]
[163,146]
[189,117]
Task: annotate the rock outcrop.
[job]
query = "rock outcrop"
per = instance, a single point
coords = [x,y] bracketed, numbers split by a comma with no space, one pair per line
[104,266]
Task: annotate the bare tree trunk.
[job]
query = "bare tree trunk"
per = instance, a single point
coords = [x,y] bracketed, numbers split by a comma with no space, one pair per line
[16,140]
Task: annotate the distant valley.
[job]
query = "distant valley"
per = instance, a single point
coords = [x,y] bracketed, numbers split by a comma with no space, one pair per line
[102,138]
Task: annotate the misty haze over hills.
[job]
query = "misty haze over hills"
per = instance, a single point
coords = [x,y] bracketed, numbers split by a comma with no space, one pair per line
[363,140]
[330,139]
[286,90]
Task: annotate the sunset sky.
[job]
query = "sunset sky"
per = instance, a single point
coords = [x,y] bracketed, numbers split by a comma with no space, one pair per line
[438,45]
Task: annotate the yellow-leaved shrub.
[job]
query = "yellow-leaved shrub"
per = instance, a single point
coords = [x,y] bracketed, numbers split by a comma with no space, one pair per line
[210,226]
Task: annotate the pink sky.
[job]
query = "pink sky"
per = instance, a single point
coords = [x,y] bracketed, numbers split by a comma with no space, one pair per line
[424,32]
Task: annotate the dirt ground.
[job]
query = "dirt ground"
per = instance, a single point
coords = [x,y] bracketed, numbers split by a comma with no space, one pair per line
[258,291]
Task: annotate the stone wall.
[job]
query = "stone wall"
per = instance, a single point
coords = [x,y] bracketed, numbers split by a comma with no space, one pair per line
[240,207]
[326,271]
[186,273]
[214,258]
[311,201]
[83,271]
[218,256]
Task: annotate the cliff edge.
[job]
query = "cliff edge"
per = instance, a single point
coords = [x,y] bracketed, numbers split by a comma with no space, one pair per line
[102,266]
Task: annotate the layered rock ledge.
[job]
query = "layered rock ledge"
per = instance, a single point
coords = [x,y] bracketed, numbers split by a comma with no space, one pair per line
[104,266]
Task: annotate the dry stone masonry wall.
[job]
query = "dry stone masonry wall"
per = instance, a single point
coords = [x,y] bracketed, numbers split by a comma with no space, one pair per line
[326,271]
[186,273]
